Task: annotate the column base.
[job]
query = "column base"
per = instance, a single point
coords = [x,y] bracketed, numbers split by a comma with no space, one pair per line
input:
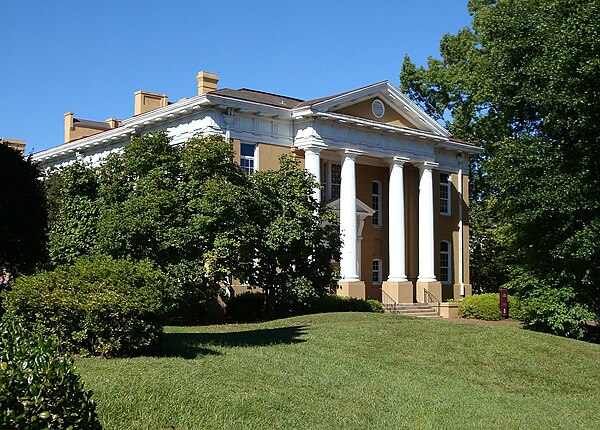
[398,291]
[434,288]
[355,289]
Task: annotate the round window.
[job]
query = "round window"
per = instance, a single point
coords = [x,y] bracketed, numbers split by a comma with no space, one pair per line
[378,108]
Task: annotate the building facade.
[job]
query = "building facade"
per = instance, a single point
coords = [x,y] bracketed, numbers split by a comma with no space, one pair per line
[397,178]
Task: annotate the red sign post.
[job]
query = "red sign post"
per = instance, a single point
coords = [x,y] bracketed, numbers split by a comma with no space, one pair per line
[504,302]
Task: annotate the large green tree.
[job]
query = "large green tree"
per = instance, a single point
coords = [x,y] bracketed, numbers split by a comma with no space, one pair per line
[522,81]
[193,211]
[295,239]
[22,213]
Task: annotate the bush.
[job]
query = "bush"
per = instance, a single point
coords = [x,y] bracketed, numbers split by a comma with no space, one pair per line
[334,303]
[553,311]
[246,307]
[481,306]
[99,305]
[549,305]
[39,388]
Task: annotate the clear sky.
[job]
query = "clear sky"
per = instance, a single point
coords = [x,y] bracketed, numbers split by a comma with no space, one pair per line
[89,57]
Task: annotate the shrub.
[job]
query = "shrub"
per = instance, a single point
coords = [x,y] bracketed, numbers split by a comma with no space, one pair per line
[99,305]
[39,388]
[554,311]
[246,307]
[481,306]
[549,305]
[334,303]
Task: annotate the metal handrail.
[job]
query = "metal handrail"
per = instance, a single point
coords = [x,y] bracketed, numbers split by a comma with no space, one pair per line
[428,297]
[386,300]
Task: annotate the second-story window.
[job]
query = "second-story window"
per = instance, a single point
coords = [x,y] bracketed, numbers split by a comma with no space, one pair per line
[247,158]
[376,203]
[331,177]
[445,194]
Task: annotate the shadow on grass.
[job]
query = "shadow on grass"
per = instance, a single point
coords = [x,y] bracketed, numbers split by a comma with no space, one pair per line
[193,345]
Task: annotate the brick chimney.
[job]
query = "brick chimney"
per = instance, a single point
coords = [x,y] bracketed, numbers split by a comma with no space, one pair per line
[145,101]
[69,127]
[206,82]
[113,122]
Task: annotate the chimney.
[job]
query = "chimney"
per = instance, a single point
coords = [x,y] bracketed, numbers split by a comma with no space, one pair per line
[145,101]
[206,82]
[113,122]
[68,126]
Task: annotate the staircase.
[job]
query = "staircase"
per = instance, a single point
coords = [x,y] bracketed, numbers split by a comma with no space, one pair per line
[419,310]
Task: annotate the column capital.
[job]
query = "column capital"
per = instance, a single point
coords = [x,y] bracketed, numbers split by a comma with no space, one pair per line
[426,165]
[399,161]
[352,153]
[315,146]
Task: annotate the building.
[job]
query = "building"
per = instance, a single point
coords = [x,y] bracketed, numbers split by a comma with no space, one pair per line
[16,144]
[398,179]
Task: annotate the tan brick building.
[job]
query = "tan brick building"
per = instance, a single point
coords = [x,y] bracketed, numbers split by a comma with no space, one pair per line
[398,179]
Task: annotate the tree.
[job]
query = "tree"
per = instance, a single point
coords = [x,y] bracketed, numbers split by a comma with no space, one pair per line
[295,238]
[72,200]
[522,83]
[22,213]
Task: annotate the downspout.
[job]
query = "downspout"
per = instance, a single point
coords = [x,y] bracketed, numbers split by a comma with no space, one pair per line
[460,228]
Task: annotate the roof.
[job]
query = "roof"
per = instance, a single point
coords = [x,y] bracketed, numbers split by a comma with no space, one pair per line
[86,123]
[322,99]
[258,97]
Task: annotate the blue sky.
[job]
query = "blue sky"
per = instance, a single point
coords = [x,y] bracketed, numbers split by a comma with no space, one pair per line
[89,57]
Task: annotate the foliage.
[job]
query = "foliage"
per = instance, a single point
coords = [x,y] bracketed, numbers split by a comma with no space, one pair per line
[295,238]
[39,388]
[246,307]
[72,197]
[98,305]
[194,212]
[335,303]
[481,306]
[522,83]
[22,213]
[552,309]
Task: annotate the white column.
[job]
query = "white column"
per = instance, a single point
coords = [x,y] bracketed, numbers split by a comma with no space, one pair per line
[348,230]
[397,237]
[426,236]
[312,163]
[461,277]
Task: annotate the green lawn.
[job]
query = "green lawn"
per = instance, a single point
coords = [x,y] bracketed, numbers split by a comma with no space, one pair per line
[351,371]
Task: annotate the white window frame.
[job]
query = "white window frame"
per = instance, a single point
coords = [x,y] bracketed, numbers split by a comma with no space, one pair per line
[448,267]
[447,187]
[253,158]
[376,272]
[377,204]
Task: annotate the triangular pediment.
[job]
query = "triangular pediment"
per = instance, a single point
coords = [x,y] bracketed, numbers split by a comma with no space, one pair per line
[364,109]
[363,210]
[391,108]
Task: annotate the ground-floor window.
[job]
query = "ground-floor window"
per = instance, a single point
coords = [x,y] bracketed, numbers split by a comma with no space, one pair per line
[377,272]
[445,262]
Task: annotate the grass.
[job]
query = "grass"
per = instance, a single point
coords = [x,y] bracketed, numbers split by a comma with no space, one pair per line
[351,371]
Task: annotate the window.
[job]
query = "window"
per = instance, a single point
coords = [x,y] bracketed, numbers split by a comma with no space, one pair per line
[376,204]
[247,151]
[336,180]
[377,272]
[445,262]
[445,194]
[331,177]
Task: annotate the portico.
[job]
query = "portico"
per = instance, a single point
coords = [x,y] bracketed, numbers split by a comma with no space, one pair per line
[352,222]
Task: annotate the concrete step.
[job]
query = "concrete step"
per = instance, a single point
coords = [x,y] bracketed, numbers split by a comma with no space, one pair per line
[419,310]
